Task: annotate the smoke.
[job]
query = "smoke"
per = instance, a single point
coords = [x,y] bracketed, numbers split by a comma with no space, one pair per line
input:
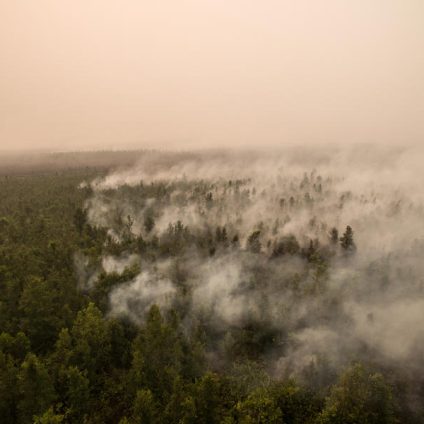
[136,297]
[363,305]
[118,264]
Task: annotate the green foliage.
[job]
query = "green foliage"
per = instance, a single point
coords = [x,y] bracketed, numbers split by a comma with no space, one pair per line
[207,400]
[346,241]
[259,408]
[42,314]
[49,417]
[299,405]
[157,355]
[91,342]
[80,219]
[15,346]
[247,376]
[65,358]
[145,410]
[35,389]
[360,397]
[77,394]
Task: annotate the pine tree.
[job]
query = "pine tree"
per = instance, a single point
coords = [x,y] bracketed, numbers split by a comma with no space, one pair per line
[35,389]
[346,241]
[253,242]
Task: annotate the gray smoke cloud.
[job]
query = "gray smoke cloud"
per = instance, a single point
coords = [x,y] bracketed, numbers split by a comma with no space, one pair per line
[366,305]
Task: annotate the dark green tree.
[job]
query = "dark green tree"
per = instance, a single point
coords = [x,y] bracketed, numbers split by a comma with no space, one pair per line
[145,409]
[157,355]
[260,407]
[360,397]
[346,241]
[35,389]
[80,219]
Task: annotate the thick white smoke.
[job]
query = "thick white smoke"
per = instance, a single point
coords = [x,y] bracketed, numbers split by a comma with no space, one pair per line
[370,303]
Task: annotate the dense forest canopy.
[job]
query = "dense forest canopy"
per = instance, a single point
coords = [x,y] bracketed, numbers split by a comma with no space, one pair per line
[212,287]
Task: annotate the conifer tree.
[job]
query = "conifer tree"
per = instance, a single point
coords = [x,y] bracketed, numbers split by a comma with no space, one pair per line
[346,241]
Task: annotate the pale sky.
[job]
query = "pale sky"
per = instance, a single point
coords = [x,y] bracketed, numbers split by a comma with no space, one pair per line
[97,74]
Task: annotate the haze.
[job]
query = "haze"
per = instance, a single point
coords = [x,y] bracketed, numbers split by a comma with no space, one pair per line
[95,74]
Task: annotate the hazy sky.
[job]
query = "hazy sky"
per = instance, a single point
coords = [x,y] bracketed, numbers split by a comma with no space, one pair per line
[185,73]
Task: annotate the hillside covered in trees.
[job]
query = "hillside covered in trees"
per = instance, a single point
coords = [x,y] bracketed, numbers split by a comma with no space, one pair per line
[213,287]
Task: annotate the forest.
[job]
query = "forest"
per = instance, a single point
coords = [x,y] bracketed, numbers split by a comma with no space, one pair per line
[212,287]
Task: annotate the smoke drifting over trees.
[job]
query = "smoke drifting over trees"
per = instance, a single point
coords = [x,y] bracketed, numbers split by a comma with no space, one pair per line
[250,245]
[274,287]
